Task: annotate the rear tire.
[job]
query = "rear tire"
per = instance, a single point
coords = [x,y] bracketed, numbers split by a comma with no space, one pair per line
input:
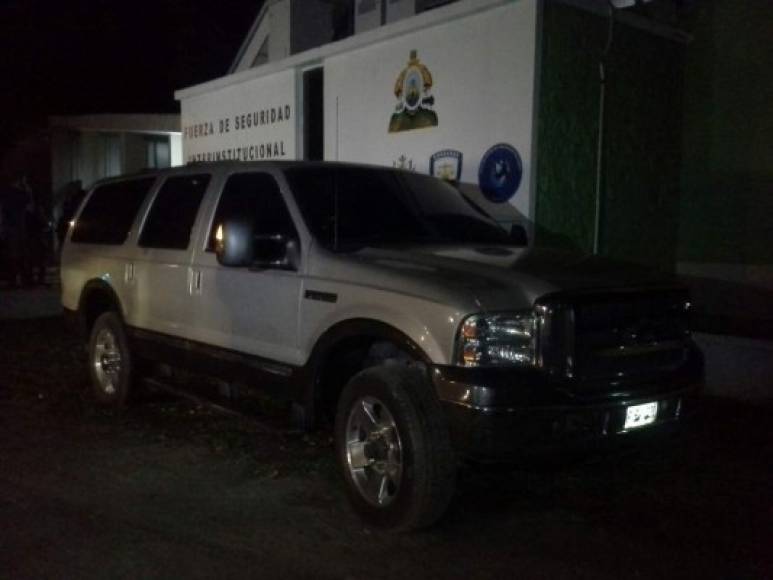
[110,361]
[393,448]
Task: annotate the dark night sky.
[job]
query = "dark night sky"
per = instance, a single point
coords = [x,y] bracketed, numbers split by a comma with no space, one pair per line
[103,56]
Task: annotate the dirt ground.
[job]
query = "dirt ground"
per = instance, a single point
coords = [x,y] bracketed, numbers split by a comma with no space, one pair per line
[171,489]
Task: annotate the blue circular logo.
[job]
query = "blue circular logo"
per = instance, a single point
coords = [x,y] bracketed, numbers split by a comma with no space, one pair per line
[500,173]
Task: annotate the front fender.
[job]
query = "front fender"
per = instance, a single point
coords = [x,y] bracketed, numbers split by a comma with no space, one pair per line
[430,326]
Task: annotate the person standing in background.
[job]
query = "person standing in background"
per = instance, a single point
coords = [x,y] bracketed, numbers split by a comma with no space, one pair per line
[36,247]
[14,201]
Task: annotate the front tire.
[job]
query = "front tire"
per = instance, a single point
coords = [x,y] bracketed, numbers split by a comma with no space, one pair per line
[393,448]
[110,361]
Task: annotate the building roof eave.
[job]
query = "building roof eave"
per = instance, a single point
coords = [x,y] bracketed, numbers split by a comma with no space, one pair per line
[129,123]
[250,35]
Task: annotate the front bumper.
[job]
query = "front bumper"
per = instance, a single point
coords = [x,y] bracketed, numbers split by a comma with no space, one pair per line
[499,414]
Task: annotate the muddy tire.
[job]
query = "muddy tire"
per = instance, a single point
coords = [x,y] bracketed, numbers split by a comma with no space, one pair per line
[110,361]
[393,448]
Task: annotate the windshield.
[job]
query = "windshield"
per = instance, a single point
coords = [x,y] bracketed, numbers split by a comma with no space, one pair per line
[350,207]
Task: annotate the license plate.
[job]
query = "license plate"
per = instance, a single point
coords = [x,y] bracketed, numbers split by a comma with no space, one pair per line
[640,415]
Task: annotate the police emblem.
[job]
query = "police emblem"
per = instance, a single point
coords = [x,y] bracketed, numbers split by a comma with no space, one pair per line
[500,172]
[446,164]
[414,100]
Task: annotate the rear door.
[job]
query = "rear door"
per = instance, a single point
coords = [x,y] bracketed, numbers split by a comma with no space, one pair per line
[161,270]
[100,241]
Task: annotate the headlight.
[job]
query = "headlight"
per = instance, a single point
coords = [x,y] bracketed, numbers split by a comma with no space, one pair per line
[497,340]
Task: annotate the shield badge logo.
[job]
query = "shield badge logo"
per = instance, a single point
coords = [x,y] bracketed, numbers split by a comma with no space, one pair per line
[414,109]
[446,164]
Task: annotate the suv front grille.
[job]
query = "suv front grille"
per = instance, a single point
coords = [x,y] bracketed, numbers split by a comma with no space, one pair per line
[616,335]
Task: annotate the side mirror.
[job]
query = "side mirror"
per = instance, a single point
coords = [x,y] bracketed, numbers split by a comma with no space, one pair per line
[518,235]
[275,251]
[234,243]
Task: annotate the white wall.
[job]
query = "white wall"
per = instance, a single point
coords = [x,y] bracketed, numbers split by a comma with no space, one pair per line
[176,149]
[221,124]
[483,68]
[482,57]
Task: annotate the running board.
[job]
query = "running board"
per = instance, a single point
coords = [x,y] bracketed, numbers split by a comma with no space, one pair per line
[203,401]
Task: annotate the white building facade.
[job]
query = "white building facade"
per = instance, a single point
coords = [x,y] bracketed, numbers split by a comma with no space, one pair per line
[449,91]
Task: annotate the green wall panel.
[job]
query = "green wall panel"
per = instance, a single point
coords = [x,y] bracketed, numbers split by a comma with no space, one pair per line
[727,177]
[643,148]
[640,202]
[567,126]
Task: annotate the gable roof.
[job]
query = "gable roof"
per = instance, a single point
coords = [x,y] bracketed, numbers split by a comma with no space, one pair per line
[250,35]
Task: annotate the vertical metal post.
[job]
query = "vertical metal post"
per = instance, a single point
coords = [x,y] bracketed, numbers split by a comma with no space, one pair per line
[599,161]
[600,138]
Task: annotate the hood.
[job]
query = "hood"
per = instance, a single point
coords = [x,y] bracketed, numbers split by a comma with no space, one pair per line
[497,277]
[565,270]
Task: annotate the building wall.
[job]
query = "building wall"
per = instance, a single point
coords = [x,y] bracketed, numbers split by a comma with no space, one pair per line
[482,68]
[99,155]
[727,178]
[726,235]
[91,147]
[642,146]
[311,24]
[92,155]
[176,146]
[480,55]
[134,152]
[246,121]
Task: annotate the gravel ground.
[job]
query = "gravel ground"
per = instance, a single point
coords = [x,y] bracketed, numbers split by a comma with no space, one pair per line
[171,489]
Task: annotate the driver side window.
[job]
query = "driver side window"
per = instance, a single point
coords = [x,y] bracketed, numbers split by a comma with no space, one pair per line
[257,196]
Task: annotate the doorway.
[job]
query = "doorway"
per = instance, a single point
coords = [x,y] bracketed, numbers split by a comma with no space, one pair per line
[313,114]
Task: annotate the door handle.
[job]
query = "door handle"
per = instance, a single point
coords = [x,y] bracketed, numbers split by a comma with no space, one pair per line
[194,281]
[129,273]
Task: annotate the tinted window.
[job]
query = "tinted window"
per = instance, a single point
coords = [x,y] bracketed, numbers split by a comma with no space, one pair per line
[355,207]
[110,212]
[255,195]
[452,216]
[173,212]
[349,207]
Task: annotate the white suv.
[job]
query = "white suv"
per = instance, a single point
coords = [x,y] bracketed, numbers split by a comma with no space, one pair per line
[385,300]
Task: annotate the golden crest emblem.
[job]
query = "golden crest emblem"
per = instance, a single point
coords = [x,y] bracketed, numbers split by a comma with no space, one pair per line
[414,109]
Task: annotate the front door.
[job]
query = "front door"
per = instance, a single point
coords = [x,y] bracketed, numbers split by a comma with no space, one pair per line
[250,310]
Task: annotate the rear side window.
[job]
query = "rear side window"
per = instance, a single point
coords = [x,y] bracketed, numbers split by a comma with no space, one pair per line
[174,210]
[110,212]
[254,195]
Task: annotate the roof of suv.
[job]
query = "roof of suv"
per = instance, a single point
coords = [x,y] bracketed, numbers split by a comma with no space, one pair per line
[236,165]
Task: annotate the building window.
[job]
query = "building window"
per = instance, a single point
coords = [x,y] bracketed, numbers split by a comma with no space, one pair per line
[158,154]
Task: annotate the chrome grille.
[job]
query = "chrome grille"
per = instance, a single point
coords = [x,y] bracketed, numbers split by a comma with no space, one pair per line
[615,335]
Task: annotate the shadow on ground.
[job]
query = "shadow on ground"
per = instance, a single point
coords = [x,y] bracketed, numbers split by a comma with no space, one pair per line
[171,489]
